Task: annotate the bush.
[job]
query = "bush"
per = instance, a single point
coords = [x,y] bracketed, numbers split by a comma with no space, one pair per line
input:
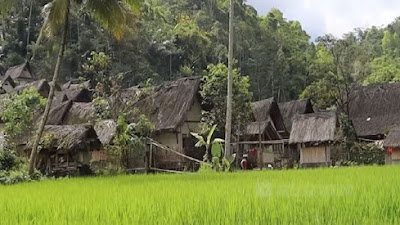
[14,169]
[9,160]
[364,154]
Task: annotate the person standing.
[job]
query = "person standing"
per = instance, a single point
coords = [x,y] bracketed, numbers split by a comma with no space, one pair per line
[243,163]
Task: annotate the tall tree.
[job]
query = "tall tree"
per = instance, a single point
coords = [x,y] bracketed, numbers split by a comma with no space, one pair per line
[115,15]
[228,127]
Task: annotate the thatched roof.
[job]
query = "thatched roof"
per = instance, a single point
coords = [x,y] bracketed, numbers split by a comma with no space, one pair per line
[59,98]
[265,128]
[20,71]
[105,131]
[293,108]
[169,104]
[374,109]
[9,80]
[58,112]
[72,85]
[80,113]
[57,86]
[41,85]
[393,138]
[268,109]
[78,94]
[314,128]
[69,138]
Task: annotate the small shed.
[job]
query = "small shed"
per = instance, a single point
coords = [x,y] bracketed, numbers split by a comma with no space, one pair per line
[392,144]
[315,135]
[21,74]
[66,149]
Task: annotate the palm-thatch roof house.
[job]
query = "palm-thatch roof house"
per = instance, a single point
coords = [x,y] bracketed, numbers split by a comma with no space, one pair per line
[374,109]
[392,144]
[315,134]
[41,86]
[290,109]
[266,112]
[66,149]
[174,108]
[7,85]
[21,74]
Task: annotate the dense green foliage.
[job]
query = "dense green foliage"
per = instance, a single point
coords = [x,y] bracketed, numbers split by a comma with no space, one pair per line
[176,38]
[20,113]
[365,195]
[213,92]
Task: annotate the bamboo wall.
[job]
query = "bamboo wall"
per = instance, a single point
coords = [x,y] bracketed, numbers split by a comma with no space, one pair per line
[315,154]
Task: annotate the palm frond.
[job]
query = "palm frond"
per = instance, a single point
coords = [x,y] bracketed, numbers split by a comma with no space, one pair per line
[115,15]
[56,17]
[134,5]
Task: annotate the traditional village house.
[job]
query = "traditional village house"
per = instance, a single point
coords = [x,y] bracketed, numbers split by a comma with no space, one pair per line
[174,108]
[21,74]
[267,132]
[374,109]
[315,135]
[392,145]
[289,110]
[41,86]
[66,149]
[7,85]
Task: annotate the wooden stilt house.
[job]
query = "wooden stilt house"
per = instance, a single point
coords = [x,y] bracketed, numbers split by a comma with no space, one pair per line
[315,135]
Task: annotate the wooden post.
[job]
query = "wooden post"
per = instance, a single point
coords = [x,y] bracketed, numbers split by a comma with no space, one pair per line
[261,161]
[56,160]
[151,156]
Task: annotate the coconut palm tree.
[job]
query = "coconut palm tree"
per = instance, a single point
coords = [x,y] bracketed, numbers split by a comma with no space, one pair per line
[114,15]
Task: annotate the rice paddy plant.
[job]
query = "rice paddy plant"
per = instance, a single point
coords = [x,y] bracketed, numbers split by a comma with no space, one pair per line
[364,195]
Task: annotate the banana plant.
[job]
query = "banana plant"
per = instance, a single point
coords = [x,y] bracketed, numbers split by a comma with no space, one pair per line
[213,146]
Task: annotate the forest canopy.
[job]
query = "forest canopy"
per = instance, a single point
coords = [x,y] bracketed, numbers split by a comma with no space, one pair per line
[179,38]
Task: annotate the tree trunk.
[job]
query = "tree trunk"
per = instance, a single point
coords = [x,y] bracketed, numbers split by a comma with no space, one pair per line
[228,127]
[29,29]
[35,152]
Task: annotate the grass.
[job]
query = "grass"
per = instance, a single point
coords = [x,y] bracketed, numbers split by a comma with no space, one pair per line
[364,195]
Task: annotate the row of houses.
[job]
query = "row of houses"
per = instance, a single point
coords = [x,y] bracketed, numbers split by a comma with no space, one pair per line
[282,133]
[314,135]
[73,137]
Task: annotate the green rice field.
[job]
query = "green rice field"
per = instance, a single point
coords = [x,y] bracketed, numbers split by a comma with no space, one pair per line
[364,195]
